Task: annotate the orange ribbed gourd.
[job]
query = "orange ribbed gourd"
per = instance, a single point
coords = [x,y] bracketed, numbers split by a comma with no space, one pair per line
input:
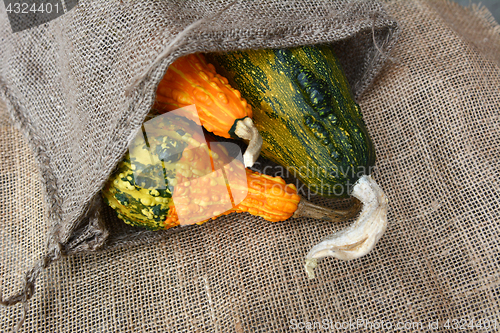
[191,80]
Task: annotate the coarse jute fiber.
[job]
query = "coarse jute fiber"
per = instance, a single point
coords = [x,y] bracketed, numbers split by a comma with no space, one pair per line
[80,86]
[432,111]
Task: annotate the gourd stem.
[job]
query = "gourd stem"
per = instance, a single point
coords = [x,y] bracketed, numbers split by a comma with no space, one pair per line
[359,238]
[245,129]
[308,209]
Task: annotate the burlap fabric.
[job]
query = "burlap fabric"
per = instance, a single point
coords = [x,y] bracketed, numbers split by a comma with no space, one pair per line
[432,113]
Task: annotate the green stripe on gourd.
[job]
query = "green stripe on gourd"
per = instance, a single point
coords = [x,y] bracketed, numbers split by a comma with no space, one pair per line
[305,113]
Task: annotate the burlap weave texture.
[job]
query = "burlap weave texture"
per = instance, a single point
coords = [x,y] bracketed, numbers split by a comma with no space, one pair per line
[433,113]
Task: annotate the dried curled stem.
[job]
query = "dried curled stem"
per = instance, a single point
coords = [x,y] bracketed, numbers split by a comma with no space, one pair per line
[359,238]
[246,130]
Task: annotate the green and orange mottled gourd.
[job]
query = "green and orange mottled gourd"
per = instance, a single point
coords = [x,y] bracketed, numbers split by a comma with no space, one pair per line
[190,174]
[305,113]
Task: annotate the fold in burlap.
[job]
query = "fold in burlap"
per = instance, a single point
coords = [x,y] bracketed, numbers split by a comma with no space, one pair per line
[432,113]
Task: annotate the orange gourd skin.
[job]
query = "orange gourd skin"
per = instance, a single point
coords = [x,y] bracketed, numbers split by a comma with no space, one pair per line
[268,197]
[191,80]
[208,183]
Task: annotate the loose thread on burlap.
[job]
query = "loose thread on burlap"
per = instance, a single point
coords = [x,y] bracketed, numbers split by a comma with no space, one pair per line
[379,48]
[171,47]
[29,284]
